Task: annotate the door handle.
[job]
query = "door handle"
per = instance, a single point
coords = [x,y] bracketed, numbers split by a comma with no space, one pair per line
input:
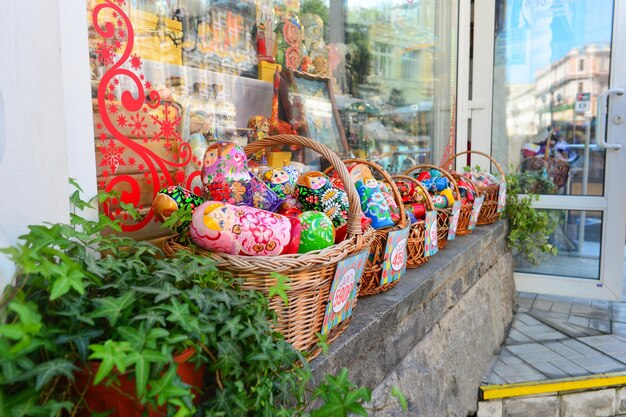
[601,119]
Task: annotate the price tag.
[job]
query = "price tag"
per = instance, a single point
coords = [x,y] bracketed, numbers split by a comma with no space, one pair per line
[430,234]
[478,204]
[502,197]
[454,219]
[343,290]
[395,256]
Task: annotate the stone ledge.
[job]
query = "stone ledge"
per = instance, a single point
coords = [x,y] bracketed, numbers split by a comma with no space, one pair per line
[386,327]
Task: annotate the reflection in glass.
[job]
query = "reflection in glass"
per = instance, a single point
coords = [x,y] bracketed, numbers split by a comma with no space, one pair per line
[551,63]
[400,110]
[577,236]
[390,65]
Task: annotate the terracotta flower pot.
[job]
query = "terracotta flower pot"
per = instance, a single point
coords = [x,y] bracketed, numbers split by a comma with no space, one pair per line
[122,399]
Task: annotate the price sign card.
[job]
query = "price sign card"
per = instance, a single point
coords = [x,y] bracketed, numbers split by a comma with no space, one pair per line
[502,197]
[342,295]
[478,204]
[430,235]
[395,256]
[454,219]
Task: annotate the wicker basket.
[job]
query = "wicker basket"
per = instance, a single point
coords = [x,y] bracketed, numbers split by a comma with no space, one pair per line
[556,170]
[443,215]
[310,274]
[489,211]
[370,281]
[416,244]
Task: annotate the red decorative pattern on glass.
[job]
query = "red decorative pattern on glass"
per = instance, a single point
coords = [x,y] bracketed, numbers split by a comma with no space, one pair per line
[139,111]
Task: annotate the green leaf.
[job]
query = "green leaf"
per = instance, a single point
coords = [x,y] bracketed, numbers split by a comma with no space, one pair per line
[280,288]
[398,395]
[112,308]
[111,354]
[323,342]
[75,184]
[142,372]
[69,278]
[48,370]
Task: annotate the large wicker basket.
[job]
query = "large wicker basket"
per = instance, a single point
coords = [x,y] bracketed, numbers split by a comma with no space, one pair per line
[310,274]
[417,235]
[443,215]
[489,211]
[370,281]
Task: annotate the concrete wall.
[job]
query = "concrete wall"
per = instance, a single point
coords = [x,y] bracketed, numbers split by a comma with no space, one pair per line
[435,332]
[45,114]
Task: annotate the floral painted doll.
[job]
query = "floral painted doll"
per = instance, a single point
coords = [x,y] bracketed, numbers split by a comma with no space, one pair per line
[171,199]
[373,201]
[225,177]
[316,192]
[241,230]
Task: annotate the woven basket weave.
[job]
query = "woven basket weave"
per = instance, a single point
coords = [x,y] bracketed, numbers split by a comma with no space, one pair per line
[310,274]
[370,281]
[417,235]
[489,211]
[443,215]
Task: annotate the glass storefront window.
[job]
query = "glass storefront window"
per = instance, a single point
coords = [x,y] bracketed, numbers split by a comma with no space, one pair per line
[169,77]
[551,64]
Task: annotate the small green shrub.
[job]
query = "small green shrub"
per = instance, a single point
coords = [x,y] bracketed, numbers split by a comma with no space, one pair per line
[529,229]
[83,295]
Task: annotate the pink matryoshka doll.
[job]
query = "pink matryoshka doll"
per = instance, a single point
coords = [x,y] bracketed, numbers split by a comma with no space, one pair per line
[241,230]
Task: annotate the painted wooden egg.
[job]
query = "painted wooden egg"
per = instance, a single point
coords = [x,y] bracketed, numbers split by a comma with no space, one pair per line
[242,230]
[441,183]
[449,196]
[174,198]
[434,173]
[440,201]
[318,231]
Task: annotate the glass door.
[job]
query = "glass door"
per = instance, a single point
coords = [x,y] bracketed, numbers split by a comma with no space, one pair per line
[555,112]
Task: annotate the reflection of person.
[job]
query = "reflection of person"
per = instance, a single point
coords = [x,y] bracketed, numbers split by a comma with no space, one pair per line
[557,147]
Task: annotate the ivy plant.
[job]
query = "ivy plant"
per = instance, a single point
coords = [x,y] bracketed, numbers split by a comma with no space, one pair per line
[82,296]
[529,229]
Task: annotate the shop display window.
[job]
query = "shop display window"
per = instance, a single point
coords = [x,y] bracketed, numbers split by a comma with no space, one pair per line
[374,79]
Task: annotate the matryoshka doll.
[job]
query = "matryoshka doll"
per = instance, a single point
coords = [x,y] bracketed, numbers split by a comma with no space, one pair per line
[241,230]
[373,202]
[318,231]
[174,198]
[225,177]
[467,189]
[283,184]
[316,192]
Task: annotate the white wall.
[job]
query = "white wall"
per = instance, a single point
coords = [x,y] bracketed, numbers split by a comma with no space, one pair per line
[44,87]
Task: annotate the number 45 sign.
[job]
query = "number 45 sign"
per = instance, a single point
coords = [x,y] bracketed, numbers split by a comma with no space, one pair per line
[395,256]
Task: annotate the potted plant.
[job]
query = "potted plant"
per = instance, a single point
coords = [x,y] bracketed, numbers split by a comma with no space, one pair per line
[96,321]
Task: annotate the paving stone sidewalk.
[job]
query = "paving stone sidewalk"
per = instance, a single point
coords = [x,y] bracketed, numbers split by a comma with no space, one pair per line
[558,337]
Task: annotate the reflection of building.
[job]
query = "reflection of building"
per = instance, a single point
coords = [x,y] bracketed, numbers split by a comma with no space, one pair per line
[579,71]
[551,99]
[401,46]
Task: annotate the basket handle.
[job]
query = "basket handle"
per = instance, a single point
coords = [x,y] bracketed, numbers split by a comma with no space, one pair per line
[429,201]
[354,209]
[396,194]
[544,162]
[443,171]
[493,161]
